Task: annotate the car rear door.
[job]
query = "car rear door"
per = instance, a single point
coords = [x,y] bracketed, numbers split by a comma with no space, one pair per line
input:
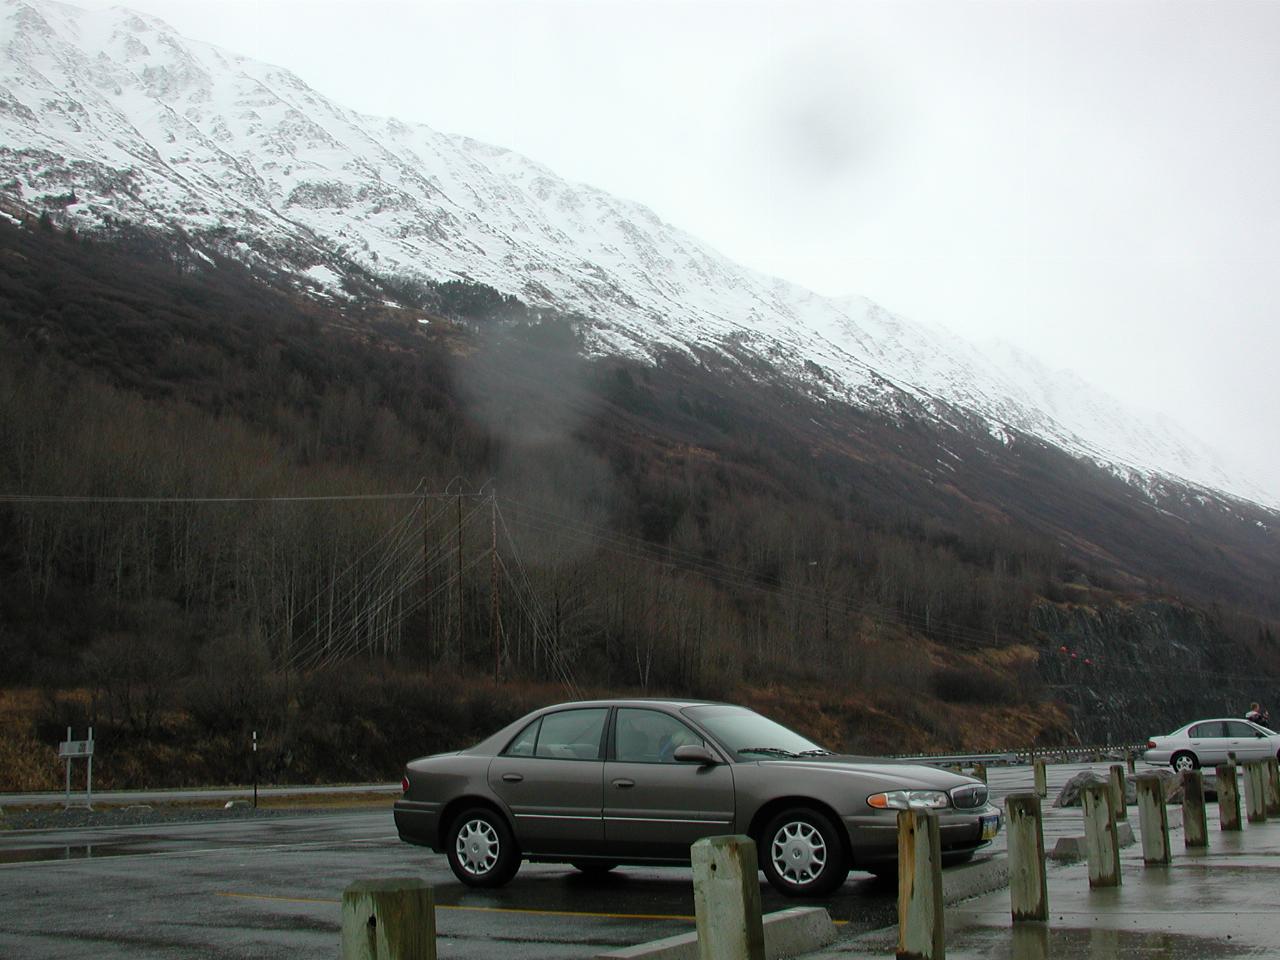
[654,806]
[550,777]
[1246,742]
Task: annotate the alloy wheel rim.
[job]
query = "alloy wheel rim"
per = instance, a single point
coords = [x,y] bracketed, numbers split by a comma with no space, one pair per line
[799,853]
[477,847]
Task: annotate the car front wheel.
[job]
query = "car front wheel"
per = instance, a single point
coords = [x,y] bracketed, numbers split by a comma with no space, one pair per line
[1184,761]
[801,853]
[481,849]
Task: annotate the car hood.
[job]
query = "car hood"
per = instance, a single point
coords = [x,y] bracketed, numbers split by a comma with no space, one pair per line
[901,774]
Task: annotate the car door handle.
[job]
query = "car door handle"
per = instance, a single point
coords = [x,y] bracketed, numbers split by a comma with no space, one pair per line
[512,777]
[623,784]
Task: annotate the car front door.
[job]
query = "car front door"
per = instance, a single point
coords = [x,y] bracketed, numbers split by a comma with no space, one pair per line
[550,777]
[655,807]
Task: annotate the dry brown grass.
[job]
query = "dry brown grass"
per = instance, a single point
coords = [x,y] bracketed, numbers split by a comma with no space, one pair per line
[331,801]
[26,764]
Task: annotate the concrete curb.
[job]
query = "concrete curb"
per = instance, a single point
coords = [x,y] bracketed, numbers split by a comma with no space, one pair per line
[974,879]
[787,933]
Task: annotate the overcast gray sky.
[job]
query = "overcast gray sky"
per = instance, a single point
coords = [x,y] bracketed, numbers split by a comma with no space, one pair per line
[1096,181]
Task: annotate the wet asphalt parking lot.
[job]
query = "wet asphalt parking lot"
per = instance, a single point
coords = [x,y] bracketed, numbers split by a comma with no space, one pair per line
[273,888]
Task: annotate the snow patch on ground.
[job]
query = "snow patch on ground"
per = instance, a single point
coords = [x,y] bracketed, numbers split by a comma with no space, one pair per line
[323,276]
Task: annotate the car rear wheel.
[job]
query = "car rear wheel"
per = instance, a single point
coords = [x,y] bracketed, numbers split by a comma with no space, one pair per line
[1183,761]
[481,849]
[802,854]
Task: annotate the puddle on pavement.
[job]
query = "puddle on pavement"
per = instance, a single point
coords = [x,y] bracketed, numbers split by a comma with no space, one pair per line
[84,851]
[1034,942]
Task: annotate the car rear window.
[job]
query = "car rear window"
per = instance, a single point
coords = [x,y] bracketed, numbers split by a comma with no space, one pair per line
[1210,728]
[567,735]
[525,741]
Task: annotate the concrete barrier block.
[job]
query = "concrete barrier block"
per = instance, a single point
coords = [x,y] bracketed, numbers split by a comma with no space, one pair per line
[1069,849]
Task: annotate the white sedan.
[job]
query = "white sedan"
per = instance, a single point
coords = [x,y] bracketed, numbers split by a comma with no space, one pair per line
[1207,743]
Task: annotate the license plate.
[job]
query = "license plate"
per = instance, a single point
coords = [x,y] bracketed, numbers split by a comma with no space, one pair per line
[990,826]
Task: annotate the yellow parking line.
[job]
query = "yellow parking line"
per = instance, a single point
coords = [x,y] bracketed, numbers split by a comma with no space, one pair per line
[263,896]
[441,906]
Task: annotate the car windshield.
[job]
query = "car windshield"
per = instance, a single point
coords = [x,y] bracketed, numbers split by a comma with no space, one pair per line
[747,733]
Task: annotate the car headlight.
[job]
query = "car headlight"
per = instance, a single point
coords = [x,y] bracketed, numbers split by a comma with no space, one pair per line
[906,799]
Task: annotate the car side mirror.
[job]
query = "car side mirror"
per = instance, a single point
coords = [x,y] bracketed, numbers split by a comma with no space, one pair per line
[694,753]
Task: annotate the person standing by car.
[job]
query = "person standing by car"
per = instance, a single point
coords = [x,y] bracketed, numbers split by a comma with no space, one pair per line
[1257,715]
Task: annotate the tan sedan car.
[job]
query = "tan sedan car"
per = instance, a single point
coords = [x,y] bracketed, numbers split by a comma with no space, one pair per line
[602,783]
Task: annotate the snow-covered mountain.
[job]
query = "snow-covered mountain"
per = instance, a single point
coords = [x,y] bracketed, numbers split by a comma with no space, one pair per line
[112,115]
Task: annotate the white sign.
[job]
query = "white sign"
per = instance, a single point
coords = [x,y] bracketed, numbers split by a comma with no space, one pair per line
[75,748]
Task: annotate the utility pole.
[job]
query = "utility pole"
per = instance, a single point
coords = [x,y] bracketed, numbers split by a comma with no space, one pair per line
[426,587]
[460,658]
[493,586]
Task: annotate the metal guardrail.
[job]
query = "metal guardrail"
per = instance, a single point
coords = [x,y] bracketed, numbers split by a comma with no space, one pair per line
[1026,755]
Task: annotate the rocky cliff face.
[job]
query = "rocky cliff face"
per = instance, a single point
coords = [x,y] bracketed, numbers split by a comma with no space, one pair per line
[1127,671]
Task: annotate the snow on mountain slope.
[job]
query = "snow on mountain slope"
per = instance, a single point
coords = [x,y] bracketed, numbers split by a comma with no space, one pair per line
[111,114]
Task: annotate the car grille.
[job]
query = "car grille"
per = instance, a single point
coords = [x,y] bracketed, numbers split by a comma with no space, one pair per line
[968,797]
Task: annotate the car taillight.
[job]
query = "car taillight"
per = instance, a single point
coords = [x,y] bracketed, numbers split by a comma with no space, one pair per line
[1151,744]
[404,784]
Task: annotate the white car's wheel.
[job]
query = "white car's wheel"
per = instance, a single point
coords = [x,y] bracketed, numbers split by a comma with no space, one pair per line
[1182,761]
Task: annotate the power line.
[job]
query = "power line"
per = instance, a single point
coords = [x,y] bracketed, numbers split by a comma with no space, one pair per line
[19,498]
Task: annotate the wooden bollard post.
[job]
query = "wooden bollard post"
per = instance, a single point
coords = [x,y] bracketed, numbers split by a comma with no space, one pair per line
[390,919]
[1153,821]
[1195,822]
[921,930]
[980,771]
[1255,800]
[1271,782]
[1118,798]
[1100,840]
[1042,779]
[1228,797]
[1129,762]
[726,898]
[1028,892]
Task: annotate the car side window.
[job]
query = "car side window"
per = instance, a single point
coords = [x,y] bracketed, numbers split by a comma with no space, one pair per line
[571,734]
[526,739]
[649,736]
[1238,728]
[1210,729]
